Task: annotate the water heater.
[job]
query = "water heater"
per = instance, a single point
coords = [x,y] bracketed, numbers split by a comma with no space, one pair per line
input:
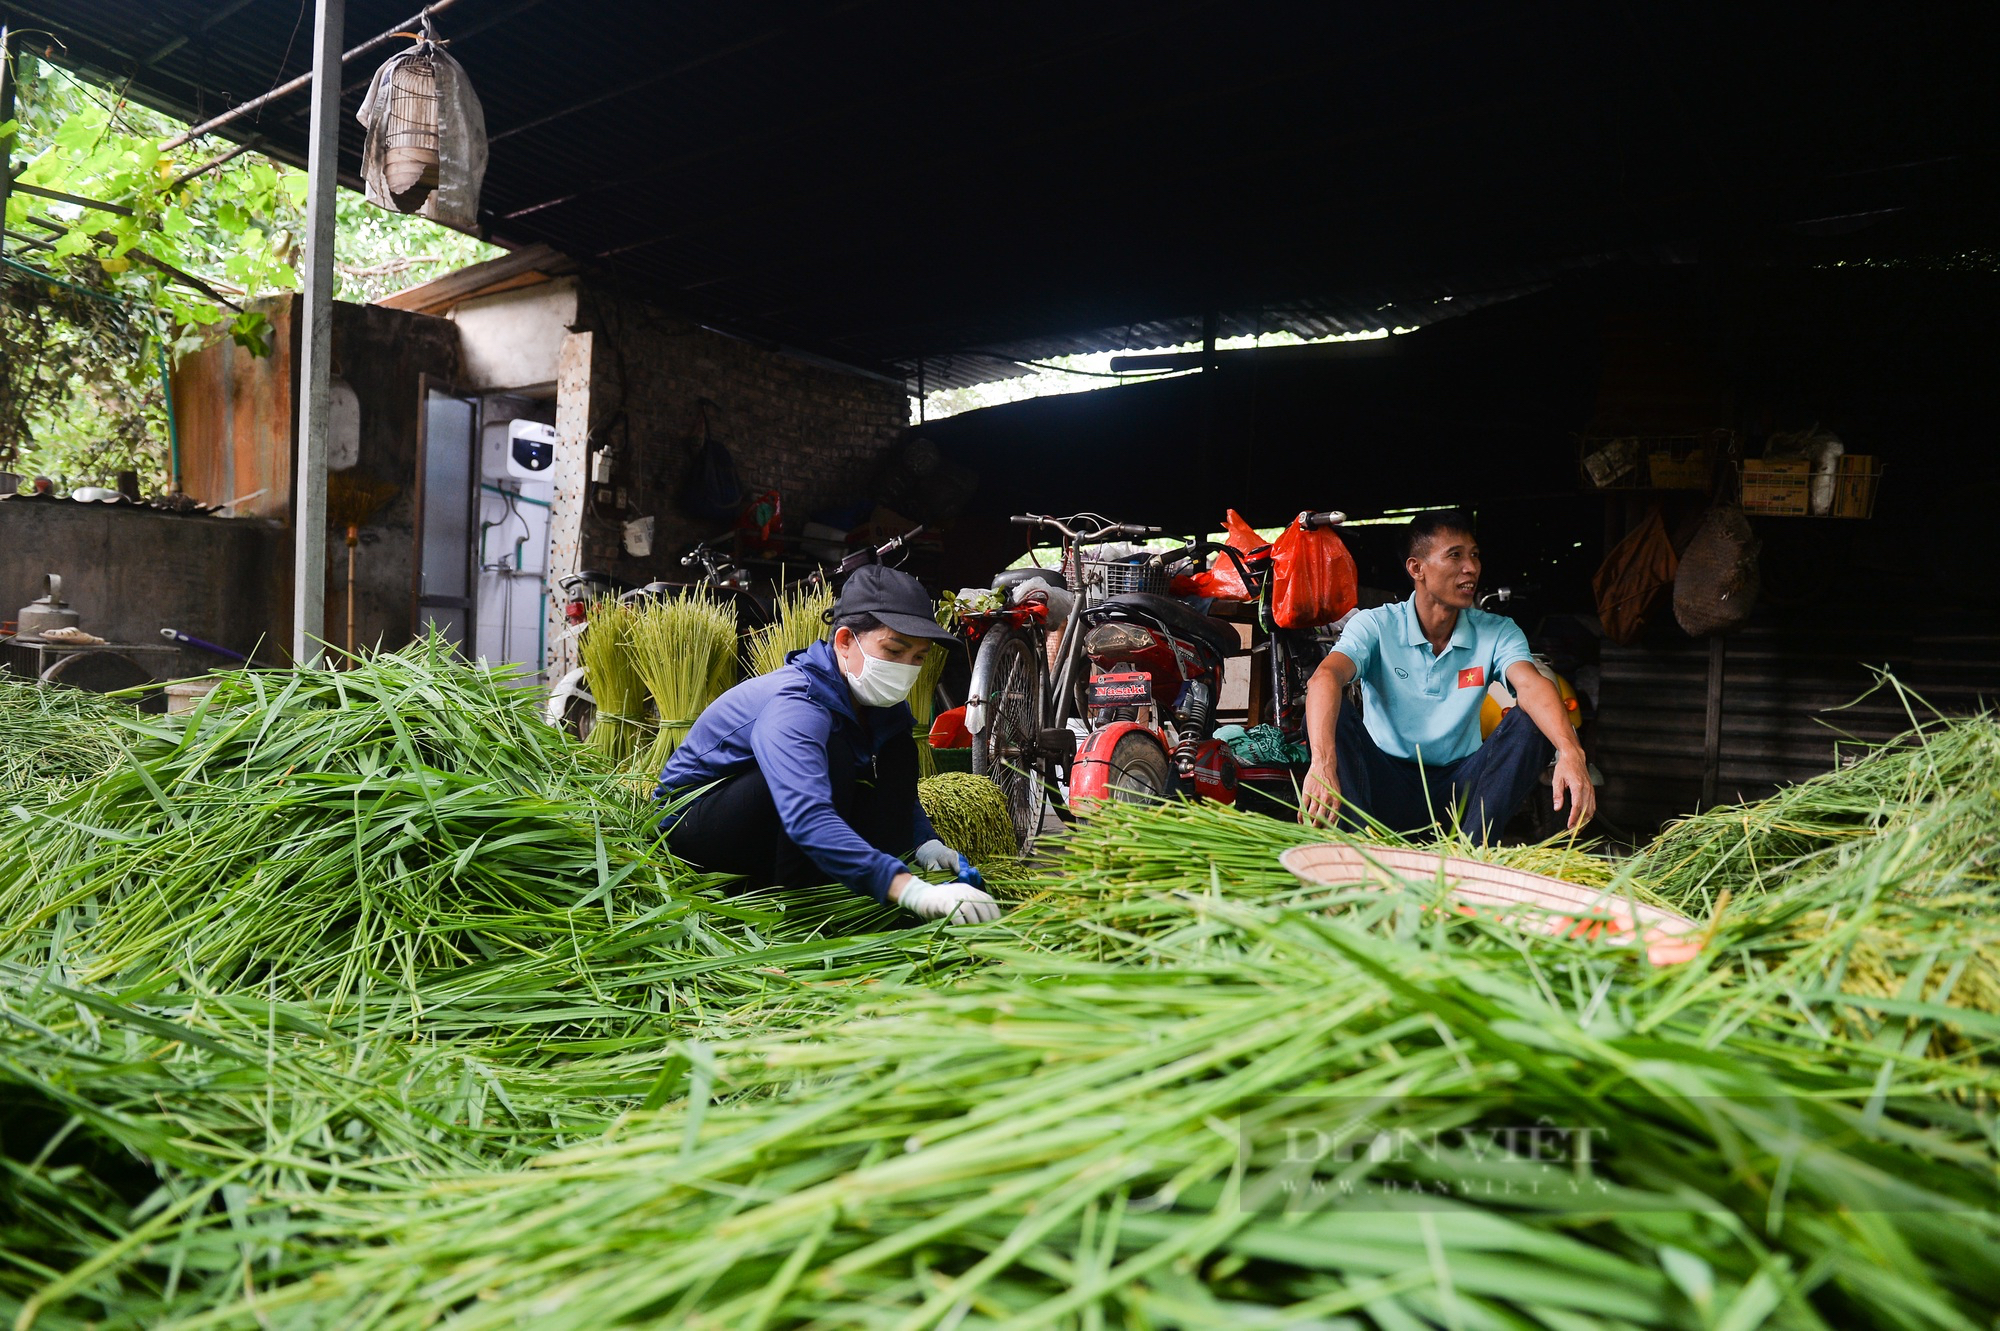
[526,454]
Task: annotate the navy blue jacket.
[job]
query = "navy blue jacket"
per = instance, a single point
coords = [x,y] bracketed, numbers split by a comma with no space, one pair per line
[780,723]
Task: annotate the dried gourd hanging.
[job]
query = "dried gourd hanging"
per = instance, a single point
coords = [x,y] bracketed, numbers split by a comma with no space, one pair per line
[426,147]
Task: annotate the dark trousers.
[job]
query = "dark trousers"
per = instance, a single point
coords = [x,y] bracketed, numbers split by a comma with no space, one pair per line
[1489,784]
[734,828]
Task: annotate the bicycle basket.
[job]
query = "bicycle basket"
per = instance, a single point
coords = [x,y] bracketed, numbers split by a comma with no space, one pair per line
[1116,579]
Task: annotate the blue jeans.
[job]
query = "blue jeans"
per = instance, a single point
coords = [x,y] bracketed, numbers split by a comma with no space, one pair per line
[1488,785]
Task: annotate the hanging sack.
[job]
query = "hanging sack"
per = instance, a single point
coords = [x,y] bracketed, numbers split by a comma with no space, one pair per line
[714,492]
[1632,576]
[1313,579]
[1221,580]
[1716,586]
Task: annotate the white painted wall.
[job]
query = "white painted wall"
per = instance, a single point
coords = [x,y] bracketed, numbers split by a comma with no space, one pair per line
[512,339]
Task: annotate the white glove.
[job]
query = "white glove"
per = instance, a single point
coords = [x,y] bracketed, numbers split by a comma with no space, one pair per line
[961,902]
[936,856]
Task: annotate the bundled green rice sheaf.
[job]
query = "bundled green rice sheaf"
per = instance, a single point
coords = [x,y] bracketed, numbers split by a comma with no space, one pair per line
[620,724]
[52,737]
[684,648]
[924,694]
[970,815]
[799,623]
[317,831]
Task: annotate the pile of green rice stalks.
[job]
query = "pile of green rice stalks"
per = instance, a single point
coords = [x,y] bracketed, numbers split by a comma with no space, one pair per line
[51,738]
[1944,775]
[1172,1087]
[306,833]
[1158,1100]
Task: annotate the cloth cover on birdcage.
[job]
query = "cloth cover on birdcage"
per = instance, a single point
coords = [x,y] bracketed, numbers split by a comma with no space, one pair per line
[395,113]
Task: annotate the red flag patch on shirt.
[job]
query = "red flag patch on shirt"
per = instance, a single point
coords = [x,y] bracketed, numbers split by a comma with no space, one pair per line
[1472,678]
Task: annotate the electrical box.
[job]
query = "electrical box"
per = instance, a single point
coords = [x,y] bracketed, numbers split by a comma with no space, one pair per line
[524,453]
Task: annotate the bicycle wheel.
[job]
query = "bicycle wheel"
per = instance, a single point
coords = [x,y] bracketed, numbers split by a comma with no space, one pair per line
[1011,675]
[1139,771]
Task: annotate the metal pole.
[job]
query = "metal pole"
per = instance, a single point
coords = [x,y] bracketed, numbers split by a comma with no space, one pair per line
[316,340]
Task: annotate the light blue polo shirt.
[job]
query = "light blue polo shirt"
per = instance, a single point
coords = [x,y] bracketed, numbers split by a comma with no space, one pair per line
[1420,705]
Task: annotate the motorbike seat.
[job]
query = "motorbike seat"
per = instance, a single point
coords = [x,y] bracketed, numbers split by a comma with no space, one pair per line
[1013,577]
[1171,615]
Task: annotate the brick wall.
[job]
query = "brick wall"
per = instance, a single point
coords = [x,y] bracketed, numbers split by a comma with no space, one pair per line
[814,434]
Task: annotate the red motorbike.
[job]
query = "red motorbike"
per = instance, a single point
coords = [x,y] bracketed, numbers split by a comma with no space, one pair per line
[1099,683]
[1157,672]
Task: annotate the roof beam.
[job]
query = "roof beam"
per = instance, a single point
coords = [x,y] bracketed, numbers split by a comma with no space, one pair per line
[291,86]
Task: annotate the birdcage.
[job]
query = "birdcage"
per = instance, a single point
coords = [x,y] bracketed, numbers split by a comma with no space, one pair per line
[410,132]
[426,147]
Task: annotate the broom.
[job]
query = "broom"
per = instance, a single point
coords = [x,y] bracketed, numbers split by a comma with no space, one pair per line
[353,497]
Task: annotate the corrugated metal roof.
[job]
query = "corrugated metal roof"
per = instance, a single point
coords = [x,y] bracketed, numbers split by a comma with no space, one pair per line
[878,180]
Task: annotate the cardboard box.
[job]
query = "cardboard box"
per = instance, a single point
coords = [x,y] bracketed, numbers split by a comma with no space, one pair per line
[1689,471]
[1854,486]
[1775,485]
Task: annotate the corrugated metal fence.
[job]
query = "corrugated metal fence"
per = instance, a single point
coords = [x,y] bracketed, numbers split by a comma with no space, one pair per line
[1788,699]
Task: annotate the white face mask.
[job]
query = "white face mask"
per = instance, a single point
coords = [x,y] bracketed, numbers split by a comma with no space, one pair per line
[881,683]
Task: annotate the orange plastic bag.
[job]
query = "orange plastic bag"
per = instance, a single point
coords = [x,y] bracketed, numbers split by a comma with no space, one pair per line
[1222,581]
[1313,579]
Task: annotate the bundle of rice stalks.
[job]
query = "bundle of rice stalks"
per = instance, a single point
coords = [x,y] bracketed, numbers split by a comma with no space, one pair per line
[51,738]
[970,815]
[616,685]
[799,623]
[319,832]
[684,648]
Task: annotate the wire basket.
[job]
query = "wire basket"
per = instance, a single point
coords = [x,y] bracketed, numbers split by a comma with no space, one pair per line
[1652,462]
[1103,579]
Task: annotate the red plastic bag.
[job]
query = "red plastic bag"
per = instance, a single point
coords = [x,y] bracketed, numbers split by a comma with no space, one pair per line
[1313,580]
[1222,581]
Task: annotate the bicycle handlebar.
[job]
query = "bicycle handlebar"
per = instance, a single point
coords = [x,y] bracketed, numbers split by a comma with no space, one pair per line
[877,555]
[1100,532]
[1331,517]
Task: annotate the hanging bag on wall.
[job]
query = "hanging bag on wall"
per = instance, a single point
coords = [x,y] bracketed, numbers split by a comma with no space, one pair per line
[714,492]
[1632,576]
[1716,586]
